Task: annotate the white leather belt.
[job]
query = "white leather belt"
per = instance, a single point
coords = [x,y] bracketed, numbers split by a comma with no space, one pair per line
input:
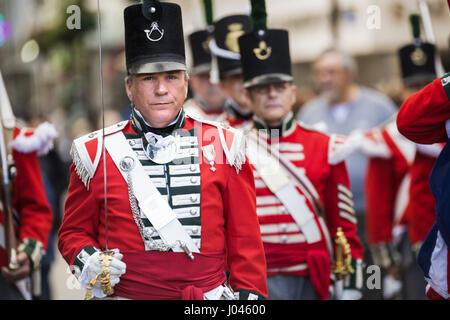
[277,180]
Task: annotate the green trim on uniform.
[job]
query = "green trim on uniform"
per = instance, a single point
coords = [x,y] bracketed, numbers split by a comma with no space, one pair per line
[82,257]
[170,191]
[30,246]
[445,80]
[286,124]
[34,250]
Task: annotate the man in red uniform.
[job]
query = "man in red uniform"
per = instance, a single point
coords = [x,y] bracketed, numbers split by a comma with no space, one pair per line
[180,195]
[302,199]
[424,118]
[32,212]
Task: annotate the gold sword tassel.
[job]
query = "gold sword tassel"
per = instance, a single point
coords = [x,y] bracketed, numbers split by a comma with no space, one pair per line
[104,277]
[342,266]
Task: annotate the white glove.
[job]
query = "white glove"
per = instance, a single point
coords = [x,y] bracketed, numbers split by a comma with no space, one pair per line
[93,267]
[392,287]
[351,294]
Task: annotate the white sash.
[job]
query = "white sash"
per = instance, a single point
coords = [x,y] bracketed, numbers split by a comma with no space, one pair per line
[284,187]
[151,202]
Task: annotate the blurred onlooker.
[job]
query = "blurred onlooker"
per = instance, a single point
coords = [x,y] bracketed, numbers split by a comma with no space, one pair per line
[344,106]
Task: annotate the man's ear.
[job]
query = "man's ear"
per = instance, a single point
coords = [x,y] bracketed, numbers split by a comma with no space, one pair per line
[294,94]
[128,89]
[187,88]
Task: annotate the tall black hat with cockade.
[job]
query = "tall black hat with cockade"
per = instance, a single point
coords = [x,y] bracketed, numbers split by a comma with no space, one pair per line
[265,56]
[154,39]
[417,60]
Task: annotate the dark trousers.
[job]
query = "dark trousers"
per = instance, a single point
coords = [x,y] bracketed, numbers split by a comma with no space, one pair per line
[412,275]
[287,287]
[9,291]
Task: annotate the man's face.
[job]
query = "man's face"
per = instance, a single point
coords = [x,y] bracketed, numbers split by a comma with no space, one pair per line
[272,102]
[233,86]
[158,96]
[209,92]
[331,77]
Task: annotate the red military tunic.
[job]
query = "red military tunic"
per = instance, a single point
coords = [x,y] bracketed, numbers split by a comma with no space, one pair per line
[421,208]
[424,118]
[226,223]
[287,251]
[387,184]
[29,200]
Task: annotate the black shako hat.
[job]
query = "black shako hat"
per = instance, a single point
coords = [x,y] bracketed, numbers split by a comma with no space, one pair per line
[225,45]
[265,57]
[201,54]
[154,39]
[417,62]
[417,59]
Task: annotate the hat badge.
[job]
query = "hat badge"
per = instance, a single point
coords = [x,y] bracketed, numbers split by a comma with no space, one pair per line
[231,41]
[154,29]
[418,57]
[263,52]
[205,44]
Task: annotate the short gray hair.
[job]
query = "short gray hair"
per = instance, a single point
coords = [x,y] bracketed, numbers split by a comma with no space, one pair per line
[348,62]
